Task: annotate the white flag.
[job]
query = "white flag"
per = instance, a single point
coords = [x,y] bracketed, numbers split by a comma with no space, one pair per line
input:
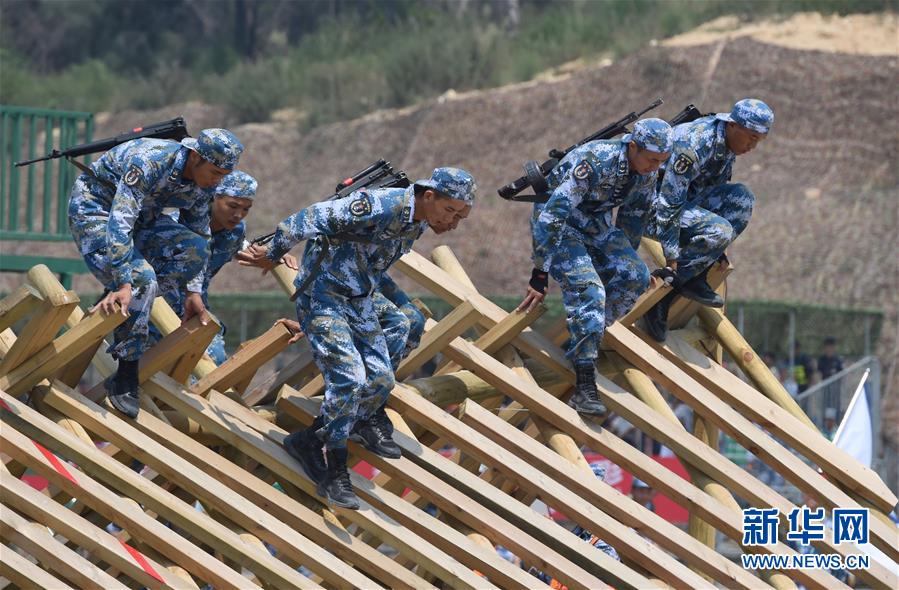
[855,433]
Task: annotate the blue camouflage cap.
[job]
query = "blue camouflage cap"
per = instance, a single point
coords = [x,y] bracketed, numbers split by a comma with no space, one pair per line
[652,134]
[219,146]
[238,184]
[452,182]
[750,113]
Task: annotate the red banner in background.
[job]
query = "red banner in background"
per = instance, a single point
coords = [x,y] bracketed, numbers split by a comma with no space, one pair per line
[623,481]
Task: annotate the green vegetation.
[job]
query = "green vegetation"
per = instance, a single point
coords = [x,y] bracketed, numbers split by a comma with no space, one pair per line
[327,59]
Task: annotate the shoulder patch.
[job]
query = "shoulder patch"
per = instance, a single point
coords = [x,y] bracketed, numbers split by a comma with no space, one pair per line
[361,207]
[583,170]
[133,176]
[683,163]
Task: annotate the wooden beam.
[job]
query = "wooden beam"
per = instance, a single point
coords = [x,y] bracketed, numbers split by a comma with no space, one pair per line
[25,574]
[645,302]
[275,458]
[40,330]
[456,323]
[749,362]
[56,354]
[567,420]
[626,541]
[38,541]
[165,353]
[743,431]
[96,463]
[761,410]
[424,474]
[297,515]
[98,542]
[586,485]
[256,353]
[622,373]
[293,373]
[167,321]
[502,334]
[683,310]
[19,304]
[530,342]
[206,489]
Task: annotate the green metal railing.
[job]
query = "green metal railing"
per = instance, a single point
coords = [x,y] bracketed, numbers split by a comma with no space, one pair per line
[34,199]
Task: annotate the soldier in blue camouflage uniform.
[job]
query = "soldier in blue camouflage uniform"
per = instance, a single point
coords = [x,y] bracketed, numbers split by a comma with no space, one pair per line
[699,211]
[117,222]
[352,243]
[595,264]
[231,203]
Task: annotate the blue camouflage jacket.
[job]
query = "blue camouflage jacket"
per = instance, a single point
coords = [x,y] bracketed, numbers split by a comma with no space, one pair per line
[222,248]
[586,185]
[147,176]
[699,161]
[352,240]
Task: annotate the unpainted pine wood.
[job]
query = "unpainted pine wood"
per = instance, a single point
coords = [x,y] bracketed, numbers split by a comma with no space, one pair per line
[428,483]
[761,410]
[21,303]
[273,456]
[56,354]
[586,433]
[436,280]
[626,541]
[40,329]
[52,554]
[25,574]
[454,324]
[201,486]
[586,485]
[98,542]
[246,361]
[704,403]
[132,485]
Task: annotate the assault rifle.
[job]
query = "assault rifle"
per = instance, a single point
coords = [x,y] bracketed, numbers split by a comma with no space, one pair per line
[535,174]
[173,129]
[378,175]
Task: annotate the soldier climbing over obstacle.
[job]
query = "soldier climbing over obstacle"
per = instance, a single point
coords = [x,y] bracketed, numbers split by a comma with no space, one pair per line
[699,211]
[356,239]
[133,249]
[232,200]
[575,242]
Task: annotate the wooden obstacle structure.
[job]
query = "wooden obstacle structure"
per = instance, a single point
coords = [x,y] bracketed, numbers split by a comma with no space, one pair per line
[219,502]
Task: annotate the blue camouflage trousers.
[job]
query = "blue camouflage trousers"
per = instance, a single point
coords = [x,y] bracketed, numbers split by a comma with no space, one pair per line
[402,324]
[166,255]
[709,224]
[351,351]
[601,277]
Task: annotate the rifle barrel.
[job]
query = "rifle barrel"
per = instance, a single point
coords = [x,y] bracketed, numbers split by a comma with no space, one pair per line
[50,156]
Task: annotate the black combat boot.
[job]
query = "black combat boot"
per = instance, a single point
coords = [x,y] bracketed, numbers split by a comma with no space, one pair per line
[656,319]
[585,398]
[337,487]
[309,449]
[376,434]
[699,290]
[123,390]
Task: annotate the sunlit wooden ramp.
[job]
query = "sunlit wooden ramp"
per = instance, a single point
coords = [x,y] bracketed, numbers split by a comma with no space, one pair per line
[217,501]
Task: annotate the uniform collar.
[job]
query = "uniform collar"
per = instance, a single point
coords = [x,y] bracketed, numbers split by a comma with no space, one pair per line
[721,151]
[409,205]
[177,173]
[623,165]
